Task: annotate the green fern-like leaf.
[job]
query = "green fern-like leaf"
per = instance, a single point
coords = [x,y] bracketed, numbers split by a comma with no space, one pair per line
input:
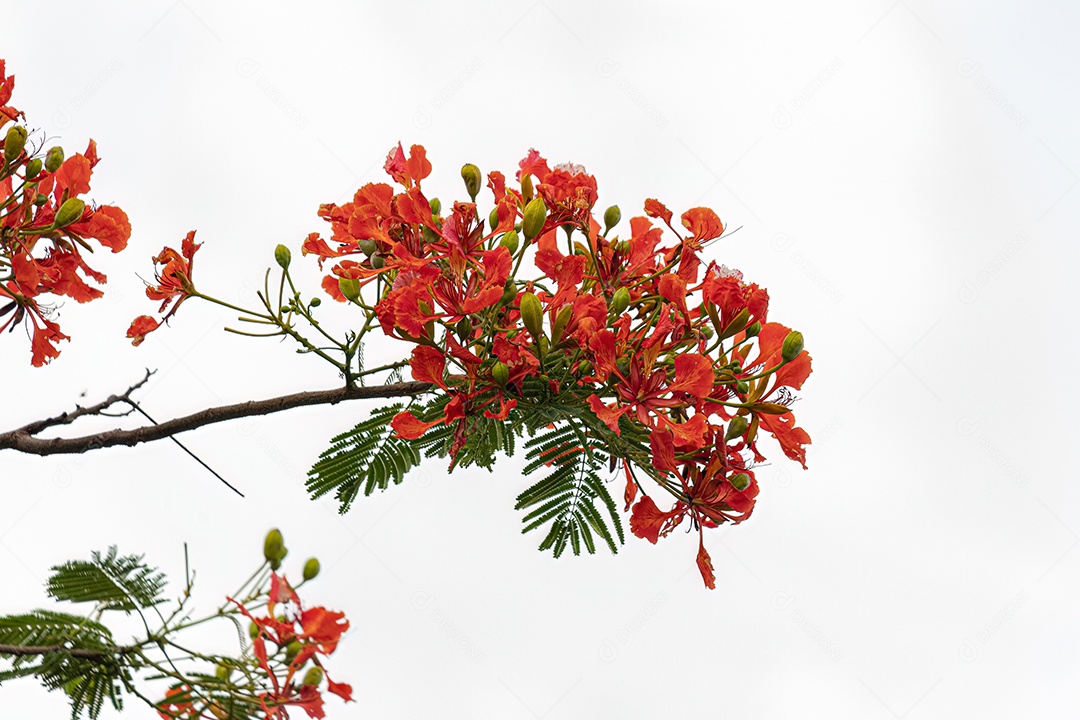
[116,583]
[367,457]
[87,681]
[567,497]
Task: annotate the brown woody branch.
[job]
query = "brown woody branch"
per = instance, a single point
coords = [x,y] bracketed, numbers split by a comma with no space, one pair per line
[25,439]
[97,656]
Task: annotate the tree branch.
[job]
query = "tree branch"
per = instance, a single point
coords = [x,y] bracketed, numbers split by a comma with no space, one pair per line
[92,655]
[24,439]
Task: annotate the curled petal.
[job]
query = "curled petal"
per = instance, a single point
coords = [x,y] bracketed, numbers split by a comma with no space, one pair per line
[408,427]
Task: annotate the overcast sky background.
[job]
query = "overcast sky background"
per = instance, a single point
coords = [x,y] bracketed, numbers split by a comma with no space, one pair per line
[905,176]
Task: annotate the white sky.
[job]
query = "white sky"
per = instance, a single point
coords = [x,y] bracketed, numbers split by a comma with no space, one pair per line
[905,175]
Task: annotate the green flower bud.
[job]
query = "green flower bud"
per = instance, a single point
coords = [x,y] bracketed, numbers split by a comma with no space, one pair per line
[311,568]
[753,330]
[464,328]
[54,159]
[612,216]
[368,247]
[493,218]
[532,314]
[707,331]
[471,175]
[292,650]
[223,672]
[793,345]
[378,261]
[315,302]
[436,206]
[535,215]
[33,168]
[740,481]
[274,548]
[314,676]
[584,367]
[619,301]
[742,387]
[509,292]
[561,321]
[41,199]
[510,241]
[253,630]
[283,256]
[527,188]
[737,323]
[350,288]
[623,364]
[500,373]
[736,428]
[69,212]
[14,143]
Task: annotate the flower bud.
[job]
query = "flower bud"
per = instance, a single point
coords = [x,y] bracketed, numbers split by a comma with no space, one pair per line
[292,650]
[793,345]
[753,330]
[471,175]
[378,261]
[707,331]
[33,168]
[527,188]
[436,206]
[283,256]
[274,548]
[736,428]
[612,216]
[493,219]
[532,314]
[315,302]
[69,212]
[464,328]
[253,631]
[41,199]
[368,247]
[54,159]
[14,143]
[740,481]
[509,292]
[619,301]
[510,241]
[737,323]
[311,568]
[222,672]
[314,676]
[561,321]
[500,373]
[350,288]
[533,221]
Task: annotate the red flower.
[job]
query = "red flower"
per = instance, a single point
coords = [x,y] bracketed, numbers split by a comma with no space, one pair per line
[176,708]
[174,285]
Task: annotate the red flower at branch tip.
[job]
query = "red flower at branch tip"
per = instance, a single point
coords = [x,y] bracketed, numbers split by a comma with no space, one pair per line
[174,285]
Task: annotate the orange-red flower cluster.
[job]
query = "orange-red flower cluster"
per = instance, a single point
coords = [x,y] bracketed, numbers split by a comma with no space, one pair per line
[316,630]
[640,329]
[44,226]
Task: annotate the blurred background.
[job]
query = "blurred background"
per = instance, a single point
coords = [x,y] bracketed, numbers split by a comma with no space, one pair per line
[905,176]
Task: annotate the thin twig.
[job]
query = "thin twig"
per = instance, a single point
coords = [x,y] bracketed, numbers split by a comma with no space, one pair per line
[183,447]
